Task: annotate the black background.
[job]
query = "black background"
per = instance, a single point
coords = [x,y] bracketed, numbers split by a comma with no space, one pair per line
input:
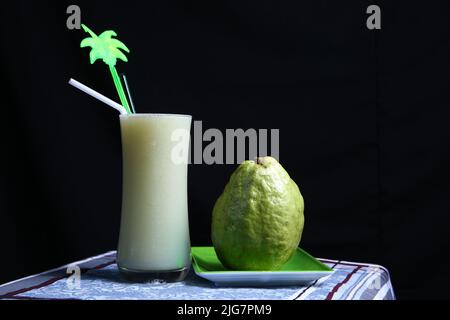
[363,118]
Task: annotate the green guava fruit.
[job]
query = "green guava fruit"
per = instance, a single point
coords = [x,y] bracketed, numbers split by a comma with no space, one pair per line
[257,221]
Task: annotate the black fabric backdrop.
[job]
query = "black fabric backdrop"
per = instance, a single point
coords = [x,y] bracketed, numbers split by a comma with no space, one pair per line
[363,118]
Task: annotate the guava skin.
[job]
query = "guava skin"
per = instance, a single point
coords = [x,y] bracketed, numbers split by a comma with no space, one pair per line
[258,220]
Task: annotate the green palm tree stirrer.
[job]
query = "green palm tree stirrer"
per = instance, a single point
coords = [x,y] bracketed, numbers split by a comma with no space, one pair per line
[107,48]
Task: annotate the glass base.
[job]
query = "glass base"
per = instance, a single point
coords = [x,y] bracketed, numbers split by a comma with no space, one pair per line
[154,276]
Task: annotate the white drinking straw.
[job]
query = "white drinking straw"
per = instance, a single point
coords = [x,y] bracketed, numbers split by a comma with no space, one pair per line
[97,95]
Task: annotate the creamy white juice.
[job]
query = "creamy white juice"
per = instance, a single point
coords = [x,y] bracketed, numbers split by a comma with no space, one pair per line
[154,231]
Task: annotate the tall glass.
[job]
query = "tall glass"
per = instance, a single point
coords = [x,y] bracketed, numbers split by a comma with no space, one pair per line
[154,231]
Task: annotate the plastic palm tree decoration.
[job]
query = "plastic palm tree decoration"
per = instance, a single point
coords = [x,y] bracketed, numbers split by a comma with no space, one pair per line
[108,49]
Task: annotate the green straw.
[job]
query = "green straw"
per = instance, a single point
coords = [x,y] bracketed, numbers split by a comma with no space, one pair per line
[119,88]
[107,48]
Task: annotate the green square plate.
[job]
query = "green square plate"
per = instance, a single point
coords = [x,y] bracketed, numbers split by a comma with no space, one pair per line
[301,269]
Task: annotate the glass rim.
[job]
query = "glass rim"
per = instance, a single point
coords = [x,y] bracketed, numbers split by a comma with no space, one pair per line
[155,115]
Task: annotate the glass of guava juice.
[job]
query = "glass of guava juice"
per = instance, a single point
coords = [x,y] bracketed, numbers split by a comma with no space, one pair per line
[154,232]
